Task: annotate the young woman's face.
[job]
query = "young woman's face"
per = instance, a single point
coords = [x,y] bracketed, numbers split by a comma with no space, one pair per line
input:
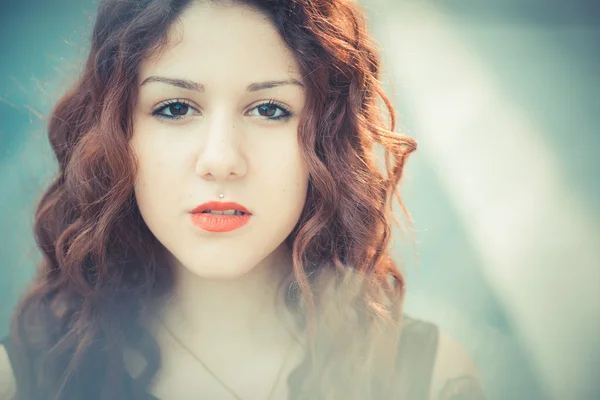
[218,112]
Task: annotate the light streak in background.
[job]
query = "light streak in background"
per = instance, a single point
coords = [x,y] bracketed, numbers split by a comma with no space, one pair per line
[536,237]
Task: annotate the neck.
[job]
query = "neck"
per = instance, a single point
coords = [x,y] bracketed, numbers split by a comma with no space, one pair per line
[231,312]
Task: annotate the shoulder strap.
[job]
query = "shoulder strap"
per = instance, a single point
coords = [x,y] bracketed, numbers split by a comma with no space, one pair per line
[416,357]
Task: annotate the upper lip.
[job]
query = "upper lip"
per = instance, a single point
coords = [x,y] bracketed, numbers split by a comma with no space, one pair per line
[220,206]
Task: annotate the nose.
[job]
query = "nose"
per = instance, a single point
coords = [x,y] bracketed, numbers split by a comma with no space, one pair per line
[220,157]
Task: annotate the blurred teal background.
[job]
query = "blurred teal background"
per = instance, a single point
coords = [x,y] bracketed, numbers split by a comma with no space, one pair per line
[502,97]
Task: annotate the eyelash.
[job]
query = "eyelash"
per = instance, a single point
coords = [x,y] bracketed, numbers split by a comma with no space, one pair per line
[162,106]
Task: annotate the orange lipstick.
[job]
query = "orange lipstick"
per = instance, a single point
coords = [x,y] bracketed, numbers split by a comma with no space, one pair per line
[216,216]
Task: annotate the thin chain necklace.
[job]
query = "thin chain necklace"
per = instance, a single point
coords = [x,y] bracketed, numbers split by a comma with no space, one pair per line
[231,391]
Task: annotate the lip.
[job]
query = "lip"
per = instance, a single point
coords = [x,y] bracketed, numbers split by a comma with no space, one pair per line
[220,206]
[219,223]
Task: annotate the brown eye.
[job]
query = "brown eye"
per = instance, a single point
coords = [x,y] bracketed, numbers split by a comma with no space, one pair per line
[178,109]
[272,111]
[173,110]
[267,110]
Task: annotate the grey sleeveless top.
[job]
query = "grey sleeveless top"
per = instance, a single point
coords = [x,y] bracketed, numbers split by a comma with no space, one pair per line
[416,357]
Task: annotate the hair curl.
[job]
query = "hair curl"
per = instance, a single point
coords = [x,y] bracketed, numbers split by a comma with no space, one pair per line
[100,262]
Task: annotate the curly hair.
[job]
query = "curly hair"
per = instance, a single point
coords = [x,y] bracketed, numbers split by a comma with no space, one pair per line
[101,267]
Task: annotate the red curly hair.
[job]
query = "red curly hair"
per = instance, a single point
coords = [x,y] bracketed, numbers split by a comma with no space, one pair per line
[101,268]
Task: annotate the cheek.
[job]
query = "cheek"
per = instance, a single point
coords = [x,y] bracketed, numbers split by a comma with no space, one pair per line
[155,175]
[284,167]
[292,176]
[157,154]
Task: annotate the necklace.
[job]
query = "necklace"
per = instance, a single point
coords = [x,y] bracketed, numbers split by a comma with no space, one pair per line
[225,386]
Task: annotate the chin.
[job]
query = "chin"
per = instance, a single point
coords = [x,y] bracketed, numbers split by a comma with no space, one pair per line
[216,271]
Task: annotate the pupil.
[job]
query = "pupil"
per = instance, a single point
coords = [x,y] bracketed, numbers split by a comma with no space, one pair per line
[178,109]
[268,107]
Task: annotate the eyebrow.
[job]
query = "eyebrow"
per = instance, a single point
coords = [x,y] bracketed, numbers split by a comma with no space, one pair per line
[197,87]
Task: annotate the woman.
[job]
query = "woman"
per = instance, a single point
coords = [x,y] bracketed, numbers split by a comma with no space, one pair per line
[218,228]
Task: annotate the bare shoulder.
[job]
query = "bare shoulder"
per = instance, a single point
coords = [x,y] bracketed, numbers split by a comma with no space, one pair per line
[7,380]
[455,375]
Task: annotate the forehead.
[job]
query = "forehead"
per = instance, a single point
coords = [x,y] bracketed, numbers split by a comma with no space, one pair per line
[220,43]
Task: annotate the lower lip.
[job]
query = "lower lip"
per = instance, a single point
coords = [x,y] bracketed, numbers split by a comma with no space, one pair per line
[219,223]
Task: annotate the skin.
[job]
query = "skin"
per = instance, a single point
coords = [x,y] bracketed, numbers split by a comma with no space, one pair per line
[225,143]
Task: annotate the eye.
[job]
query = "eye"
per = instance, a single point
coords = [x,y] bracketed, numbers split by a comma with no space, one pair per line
[272,110]
[173,109]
